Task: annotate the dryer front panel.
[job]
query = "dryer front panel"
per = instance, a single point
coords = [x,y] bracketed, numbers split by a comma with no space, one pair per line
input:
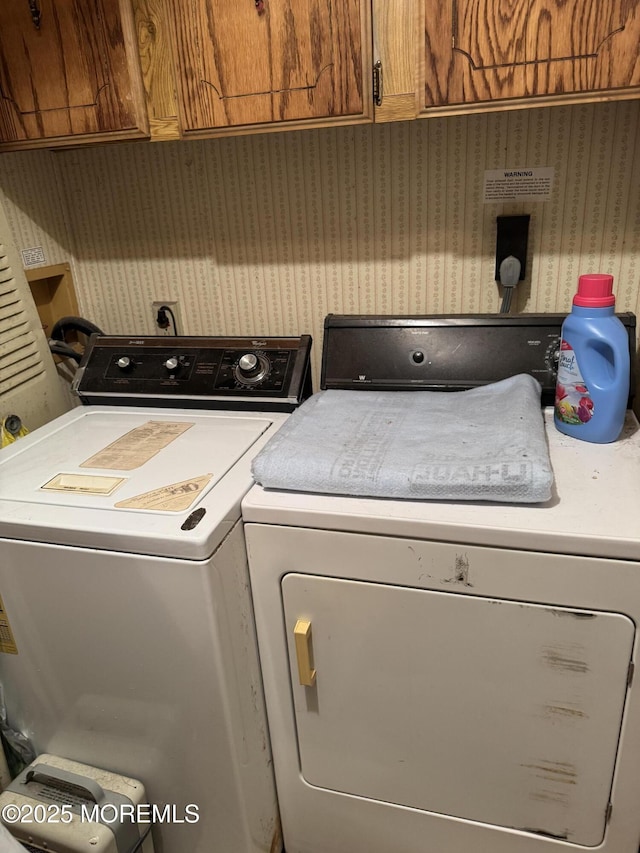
[496,711]
[446,697]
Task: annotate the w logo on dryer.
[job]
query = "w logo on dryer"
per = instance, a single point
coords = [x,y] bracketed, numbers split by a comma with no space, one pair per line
[362,377]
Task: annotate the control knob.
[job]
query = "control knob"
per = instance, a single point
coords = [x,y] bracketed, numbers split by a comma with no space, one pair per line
[249,363]
[251,368]
[171,363]
[124,362]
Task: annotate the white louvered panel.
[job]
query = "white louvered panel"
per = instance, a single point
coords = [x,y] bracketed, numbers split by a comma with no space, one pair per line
[27,374]
[7,286]
[22,365]
[7,281]
[29,384]
[9,301]
[10,331]
[20,358]
[18,348]
[11,315]
[12,327]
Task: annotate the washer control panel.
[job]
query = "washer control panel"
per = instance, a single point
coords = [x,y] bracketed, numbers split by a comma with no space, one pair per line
[207,372]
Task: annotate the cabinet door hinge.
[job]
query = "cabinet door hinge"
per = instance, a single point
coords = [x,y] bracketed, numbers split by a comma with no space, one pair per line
[36,14]
[630,672]
[377,84]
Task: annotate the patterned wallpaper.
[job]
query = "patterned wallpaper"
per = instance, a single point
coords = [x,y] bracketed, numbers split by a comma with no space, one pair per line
[267,234]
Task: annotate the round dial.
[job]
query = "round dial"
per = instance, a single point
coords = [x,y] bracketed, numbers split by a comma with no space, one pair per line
[171,363]
[124,362]
[251,368]
[552,356]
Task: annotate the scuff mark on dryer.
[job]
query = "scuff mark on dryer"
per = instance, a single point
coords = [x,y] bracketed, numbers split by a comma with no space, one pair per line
[461,571]
[563,658]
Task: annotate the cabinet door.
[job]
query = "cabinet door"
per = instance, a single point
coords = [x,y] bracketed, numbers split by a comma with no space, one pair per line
[483,50]
[69,71]
[502,712]
[248,62]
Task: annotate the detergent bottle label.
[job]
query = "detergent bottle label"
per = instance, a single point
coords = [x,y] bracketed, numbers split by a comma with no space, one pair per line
[573,400]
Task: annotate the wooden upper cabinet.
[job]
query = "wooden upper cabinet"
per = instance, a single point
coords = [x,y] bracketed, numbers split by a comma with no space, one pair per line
[477,51]
[69,72]
[242,63]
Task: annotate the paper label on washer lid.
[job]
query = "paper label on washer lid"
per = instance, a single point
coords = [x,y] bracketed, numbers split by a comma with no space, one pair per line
[172,498]
[7,641]
[137,446]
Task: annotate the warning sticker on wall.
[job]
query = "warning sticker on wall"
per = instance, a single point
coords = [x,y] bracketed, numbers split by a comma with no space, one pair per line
[7,642]
[137,446]
[518,184]
[172,498]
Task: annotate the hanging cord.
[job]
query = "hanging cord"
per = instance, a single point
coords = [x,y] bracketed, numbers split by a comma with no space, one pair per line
[509,277]
[163,322]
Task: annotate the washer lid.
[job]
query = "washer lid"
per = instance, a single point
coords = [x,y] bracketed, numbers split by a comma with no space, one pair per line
[158,481]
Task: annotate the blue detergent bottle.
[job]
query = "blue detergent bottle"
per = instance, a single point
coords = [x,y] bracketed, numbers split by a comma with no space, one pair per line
[593,371]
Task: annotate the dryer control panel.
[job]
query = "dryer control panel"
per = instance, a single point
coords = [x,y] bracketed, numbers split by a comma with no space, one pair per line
[270,374]
[445,353]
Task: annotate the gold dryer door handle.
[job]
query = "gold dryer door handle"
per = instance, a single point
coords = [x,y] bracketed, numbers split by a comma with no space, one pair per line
[302,636]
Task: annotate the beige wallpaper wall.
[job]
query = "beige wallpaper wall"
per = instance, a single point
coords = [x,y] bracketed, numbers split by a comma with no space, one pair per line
[267,234]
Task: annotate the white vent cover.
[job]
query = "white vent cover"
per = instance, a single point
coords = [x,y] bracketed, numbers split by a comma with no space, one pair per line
[29,383]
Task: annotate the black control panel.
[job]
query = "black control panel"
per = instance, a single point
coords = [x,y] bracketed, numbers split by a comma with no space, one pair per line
[270,374]
[444,353]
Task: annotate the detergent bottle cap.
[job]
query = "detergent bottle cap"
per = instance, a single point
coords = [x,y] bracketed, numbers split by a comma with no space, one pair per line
[595,291]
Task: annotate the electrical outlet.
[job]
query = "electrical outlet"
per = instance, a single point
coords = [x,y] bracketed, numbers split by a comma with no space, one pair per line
[172,314]
[511,239]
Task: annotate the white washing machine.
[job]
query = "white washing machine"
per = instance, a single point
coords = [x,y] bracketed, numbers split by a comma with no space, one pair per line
[447,677]
[127,639]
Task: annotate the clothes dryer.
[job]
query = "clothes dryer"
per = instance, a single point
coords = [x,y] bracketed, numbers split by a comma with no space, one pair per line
[454,675]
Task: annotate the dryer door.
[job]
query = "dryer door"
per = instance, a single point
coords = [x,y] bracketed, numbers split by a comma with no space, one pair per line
[502,712]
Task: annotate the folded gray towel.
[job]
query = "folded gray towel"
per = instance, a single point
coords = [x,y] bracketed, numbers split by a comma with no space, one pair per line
[485,444]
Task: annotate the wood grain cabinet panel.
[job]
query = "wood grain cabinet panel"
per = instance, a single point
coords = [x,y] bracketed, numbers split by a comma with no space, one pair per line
[260,62]
[498,50]
[69,72]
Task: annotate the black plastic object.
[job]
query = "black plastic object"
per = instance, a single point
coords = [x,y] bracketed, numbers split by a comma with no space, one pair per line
[66,325]
[65,332]
[512,239]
